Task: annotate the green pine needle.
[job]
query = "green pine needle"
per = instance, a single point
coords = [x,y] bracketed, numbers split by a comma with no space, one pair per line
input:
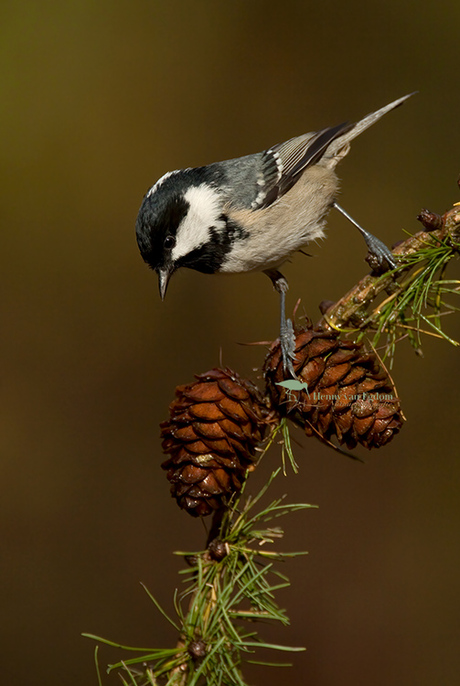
[219,600]
[417,304]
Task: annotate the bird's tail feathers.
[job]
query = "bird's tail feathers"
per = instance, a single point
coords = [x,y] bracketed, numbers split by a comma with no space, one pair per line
[340,142]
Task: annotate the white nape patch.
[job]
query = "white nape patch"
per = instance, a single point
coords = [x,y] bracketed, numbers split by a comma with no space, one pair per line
[204,212]
[160,181]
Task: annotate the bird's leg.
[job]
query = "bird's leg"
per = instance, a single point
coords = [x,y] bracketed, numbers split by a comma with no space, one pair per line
[287,338]
[381,257]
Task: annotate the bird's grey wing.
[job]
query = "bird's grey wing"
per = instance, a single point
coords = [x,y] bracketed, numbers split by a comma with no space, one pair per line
[282,164]
[256,181]
[240,179]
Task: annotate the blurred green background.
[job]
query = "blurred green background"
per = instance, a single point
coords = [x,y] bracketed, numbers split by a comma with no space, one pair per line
[98,100]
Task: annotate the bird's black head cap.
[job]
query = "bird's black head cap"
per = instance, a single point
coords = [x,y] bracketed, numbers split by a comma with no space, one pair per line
[162,210]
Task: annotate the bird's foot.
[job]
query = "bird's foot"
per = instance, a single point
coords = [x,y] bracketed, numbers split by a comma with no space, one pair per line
[287,341]
[380,258]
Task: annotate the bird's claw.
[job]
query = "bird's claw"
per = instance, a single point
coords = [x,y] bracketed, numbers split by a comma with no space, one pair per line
[380,258]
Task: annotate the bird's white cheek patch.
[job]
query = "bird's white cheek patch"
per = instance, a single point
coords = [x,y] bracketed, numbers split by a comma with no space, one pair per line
[205,208]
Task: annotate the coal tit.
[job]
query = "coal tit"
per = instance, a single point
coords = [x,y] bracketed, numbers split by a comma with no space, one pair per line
[251,213]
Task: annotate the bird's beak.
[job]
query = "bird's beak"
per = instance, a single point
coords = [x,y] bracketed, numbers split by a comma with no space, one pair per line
[163,279]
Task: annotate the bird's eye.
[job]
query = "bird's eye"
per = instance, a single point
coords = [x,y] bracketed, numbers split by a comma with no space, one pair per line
[169,242]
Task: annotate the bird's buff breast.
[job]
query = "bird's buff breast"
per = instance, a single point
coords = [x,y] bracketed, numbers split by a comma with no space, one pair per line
[276,232]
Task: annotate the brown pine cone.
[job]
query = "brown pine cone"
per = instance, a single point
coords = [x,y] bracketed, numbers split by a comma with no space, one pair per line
[349,394]
[215,425]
